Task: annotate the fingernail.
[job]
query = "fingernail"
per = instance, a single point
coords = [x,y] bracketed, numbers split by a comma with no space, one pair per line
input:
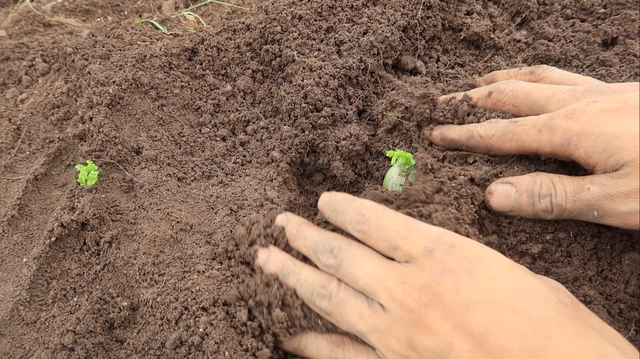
[324,197]
[428,132]
[501,197]
[281,220]
[262,253]
[443,98]
[480,81]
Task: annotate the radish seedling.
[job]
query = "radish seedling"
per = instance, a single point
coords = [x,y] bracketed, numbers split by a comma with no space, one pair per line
[155,23]
[402,169]
[87,175]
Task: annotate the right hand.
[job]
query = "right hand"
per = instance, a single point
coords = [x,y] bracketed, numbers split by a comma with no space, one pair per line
[412,290]
[567,117]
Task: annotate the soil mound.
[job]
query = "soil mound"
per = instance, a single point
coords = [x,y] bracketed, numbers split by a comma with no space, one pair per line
[260,111]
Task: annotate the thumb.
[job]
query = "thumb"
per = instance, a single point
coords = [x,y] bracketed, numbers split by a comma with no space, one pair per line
[595,198]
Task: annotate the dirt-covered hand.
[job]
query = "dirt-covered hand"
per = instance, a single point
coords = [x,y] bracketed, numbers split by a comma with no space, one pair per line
[412,290]
[568,117]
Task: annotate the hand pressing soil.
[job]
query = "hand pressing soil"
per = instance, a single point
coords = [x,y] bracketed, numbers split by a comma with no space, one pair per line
[568,117]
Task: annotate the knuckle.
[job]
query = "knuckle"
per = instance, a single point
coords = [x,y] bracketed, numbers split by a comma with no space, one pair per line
[293,231]
[548,198]
[341,346]
[578,112]
[505,91]
[324,295]
[542,72]
[329,254]
[506,87]
[553,283]
[601,90]
[487,131]
[363,219]
[441,253]
[561,293]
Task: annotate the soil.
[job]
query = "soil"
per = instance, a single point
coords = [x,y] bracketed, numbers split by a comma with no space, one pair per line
[202,134]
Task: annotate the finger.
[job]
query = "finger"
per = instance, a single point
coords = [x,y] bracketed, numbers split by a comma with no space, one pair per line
[359,266]
[527,135]
[325,294]
[542,74]
[390,233]
[521,98]
[328,346]
[552,196]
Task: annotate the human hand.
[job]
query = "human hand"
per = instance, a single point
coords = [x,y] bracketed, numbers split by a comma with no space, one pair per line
[412,290]
[568,117]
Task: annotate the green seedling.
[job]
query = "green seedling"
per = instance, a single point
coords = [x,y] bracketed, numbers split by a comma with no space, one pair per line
[87,175]
[155,23]
[403,168]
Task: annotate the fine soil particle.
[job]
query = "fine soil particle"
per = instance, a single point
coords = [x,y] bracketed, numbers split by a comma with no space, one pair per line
[203,134]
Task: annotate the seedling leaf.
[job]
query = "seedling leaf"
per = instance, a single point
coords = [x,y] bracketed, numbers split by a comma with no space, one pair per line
[402,169]
[88,174]
[404,159]
[155,23]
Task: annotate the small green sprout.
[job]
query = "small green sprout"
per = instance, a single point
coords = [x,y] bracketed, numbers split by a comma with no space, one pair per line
[402,169]
[157,24]
[87,175]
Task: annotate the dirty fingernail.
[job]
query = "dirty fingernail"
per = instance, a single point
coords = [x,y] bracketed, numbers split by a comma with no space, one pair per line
[501,197]
[261,255]
[444,98]
[428,132]
[282,220]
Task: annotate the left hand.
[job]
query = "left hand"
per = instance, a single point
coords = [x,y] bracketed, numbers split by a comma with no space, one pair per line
[566,116]
[412,290]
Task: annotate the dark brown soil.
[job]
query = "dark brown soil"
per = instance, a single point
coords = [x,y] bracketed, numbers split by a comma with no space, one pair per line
[201,135]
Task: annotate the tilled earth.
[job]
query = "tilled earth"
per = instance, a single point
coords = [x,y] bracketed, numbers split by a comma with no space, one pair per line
[204,132]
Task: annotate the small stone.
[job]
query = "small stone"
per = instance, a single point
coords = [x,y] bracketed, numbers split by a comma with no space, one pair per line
[22,98]
[608,59]
[242,314]
[43,69]
[411,64]
[95,69]
[226,89]
[26,81]
[223,133]
[263,354]
[168,7]
[205,130]
[174,340]
[12,93]
[85,34]
[3,33]
[421,68]
[69,340]
[231,297]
